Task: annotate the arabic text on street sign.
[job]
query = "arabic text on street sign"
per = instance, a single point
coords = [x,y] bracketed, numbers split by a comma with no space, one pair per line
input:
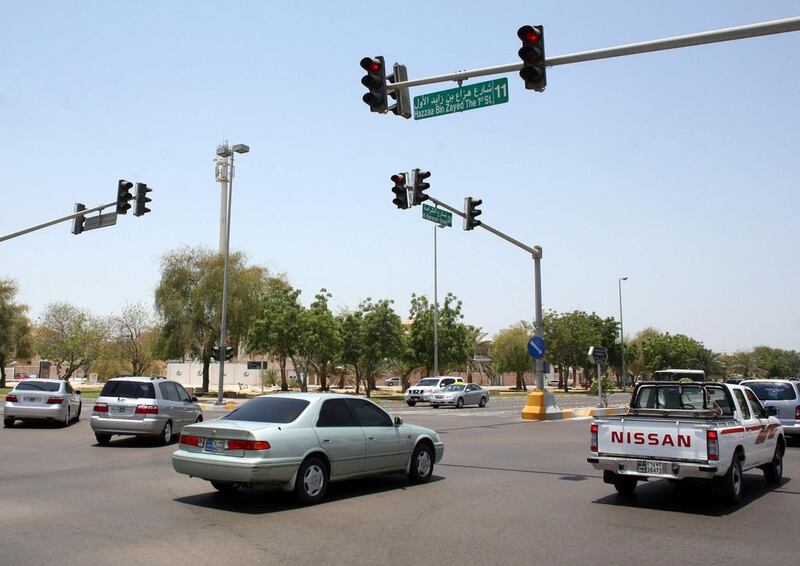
[460,99]
[438,215]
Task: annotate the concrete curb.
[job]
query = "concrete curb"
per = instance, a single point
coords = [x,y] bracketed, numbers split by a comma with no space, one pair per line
[600,411]
[228,406]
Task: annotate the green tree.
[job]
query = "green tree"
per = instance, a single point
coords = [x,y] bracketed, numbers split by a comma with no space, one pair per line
[456,339]
[70,337]
[773,362]
[570,335]
[710,362]
[671,351]
[188,300]
[321,338]
[277,329]
[15,328]
[134,331]
[741,364]
[510,353]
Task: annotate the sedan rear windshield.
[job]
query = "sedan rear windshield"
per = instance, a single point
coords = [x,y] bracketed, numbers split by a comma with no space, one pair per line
[37,386]
[269,410]
[767,391]
[129,389]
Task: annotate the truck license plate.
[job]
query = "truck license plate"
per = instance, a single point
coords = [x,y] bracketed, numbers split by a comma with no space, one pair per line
[649,467]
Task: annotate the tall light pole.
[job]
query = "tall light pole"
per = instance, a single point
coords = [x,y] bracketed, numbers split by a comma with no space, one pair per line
[227,153]
[621,330]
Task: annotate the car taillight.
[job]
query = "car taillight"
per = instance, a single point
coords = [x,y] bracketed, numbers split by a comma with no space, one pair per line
[100,408]
[55,400]
[13,399]
[146,409]
[712,445]
[191,440]
[247,445]
[797,413]
[593,448]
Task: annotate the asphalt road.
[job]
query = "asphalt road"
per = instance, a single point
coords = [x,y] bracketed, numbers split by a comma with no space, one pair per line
[507,492]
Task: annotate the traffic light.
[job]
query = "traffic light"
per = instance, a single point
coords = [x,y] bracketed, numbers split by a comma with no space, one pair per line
[77,222]
[141,199]
[228,353]
[417,194]
[401,194]
[124,196]
[403,105]
[375,81]
[471,212]
[215,353]
[532,54]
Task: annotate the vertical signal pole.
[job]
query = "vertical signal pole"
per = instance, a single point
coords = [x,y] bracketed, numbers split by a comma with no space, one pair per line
[221,174]
[538,329]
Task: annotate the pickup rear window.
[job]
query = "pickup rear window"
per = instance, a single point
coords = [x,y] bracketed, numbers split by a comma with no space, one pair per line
[682,397]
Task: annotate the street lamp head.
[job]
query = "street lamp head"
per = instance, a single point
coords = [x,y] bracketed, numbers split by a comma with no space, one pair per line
[223,150]
[241,148]
[623,278]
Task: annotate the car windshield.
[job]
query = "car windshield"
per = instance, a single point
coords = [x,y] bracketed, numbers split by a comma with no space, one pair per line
[428,382]
[455,387]
[771,391]
[269,410]
[129,389]
[37,386]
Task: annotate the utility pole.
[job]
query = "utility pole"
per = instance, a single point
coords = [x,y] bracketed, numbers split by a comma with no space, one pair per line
[222,174]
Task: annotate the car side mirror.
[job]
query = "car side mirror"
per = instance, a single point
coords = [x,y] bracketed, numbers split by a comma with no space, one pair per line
[772,411]
[194,399]
[77,392]
[398,421]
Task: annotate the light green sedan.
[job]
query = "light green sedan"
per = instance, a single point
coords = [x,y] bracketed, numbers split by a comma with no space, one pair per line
[302,441]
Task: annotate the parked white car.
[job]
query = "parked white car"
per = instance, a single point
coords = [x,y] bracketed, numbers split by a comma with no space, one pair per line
[42,399]
[422,391]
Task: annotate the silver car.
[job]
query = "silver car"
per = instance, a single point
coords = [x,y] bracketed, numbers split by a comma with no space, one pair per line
[42,399]
[459,394]
[784,395]
[302,441]
[143,406]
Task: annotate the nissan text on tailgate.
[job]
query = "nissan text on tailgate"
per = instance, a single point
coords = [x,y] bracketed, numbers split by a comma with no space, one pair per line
[710,431]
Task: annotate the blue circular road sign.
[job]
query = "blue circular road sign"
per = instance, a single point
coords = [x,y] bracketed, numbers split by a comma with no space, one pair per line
[536,347]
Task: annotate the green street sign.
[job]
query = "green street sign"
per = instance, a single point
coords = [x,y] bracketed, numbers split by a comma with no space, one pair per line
[438,215]
[460,99]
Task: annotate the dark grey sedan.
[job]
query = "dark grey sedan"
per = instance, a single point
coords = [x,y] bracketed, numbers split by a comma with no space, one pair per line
[459,394]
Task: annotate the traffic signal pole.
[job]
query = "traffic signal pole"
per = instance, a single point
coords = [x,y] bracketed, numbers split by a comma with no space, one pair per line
[57,221]
[702,38]
[536,254]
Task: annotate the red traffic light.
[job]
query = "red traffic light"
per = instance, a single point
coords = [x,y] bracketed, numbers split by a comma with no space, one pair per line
[399,179]
[529,34]
[370,65]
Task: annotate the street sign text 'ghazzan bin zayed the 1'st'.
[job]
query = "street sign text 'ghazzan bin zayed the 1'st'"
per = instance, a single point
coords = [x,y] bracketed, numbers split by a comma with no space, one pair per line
[460,99]
[437,215]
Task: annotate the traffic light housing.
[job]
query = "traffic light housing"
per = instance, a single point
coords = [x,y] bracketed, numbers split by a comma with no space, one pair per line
[533,71]
[401,194]
[471,213]
[375,81]
[418,195]
[403,105]
[141,199]
[228,353]
[78,221]
[124,196]
[215,353]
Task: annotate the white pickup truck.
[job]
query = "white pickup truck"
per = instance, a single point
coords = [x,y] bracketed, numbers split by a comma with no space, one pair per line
[711,431]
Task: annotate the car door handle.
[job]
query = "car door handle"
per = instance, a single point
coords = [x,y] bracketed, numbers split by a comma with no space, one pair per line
[370,438]
[326,440]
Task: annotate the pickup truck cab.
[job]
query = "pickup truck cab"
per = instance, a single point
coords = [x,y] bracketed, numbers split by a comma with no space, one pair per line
[712,431]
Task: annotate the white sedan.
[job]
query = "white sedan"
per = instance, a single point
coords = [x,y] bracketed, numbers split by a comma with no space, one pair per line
[302,441]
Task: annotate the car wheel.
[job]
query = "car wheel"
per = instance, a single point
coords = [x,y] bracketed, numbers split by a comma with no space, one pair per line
[78,414]
[225,488]
[460,403]
[103,438]
[166,435]
[312,481]
[625,485]
[67,417]
[773,472]
[731,482]
[421,468]
[8,422]
[411,403]
[483,402]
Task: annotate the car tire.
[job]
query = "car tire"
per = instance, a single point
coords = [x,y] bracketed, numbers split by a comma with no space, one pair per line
[67,417]
[312,481]
[460,403]
[773,472]
[411,403]
[166,434]
[483,402]
[625,485]
[103,438]
[78,415]
[225,488]
[422,460]
[8,422]
[731,483]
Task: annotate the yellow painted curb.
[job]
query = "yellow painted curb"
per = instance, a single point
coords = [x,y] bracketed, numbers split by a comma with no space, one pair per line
[600,411]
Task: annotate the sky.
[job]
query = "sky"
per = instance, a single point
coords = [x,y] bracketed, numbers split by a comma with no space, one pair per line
[677,169]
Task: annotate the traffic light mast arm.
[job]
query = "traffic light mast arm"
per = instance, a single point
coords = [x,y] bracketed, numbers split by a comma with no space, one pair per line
[534,251]
[702,38]
[57,221]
